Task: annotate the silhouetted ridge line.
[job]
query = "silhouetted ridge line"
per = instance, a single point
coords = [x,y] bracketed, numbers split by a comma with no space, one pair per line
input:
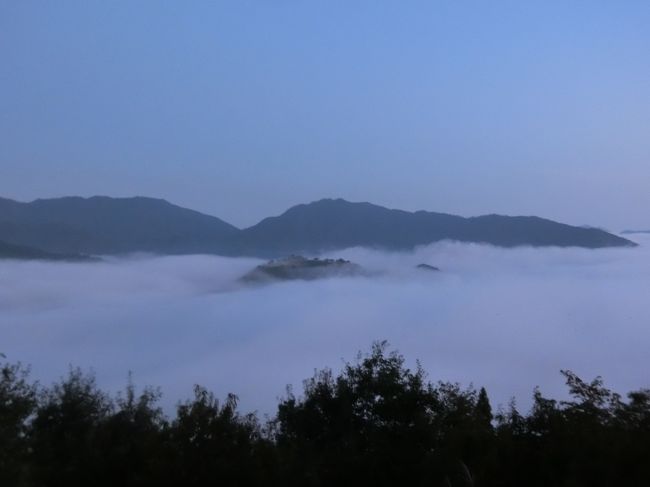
[328,224]
[21,252]
[105,225]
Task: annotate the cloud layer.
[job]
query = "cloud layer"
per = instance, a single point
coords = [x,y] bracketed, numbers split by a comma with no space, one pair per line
[506,319]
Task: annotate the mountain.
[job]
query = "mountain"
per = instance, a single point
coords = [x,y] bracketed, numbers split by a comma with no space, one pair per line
[631,232]
[427,267]
[330,224]
[297,267]
[103,225]
[10,251]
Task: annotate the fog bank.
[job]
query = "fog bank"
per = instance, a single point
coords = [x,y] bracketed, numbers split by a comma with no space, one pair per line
[506,319]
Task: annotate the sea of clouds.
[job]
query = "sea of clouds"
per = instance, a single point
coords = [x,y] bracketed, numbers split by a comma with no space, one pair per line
[506,319]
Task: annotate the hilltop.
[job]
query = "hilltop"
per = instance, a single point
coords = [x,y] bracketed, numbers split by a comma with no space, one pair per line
[104,225]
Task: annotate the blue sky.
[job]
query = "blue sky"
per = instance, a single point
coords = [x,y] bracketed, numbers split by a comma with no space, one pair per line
[244,108]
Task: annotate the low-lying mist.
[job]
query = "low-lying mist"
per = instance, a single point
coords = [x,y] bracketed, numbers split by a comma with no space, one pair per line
[506,319]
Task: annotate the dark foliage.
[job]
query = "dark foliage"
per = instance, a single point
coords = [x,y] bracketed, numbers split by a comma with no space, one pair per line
[17,404]
[375,423]
[298,267]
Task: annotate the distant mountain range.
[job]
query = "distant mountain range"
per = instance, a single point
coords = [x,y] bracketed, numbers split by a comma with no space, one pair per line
[10,251]
[104,225]
[631,232]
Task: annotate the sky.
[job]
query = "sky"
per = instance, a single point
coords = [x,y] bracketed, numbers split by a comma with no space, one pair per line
[244,108]
[505,319]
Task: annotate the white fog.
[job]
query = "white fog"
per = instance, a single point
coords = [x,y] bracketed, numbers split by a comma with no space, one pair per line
[506,319]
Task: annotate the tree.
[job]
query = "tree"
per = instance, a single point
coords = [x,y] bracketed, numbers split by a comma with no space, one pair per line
[17,403]
[130,440]
[376,423]
[210,442]
[64,431]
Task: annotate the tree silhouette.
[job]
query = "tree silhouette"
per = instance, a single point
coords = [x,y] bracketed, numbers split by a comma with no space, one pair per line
[376,422]
[17,402]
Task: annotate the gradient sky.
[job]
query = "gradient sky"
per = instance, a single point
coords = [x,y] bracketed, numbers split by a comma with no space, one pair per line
[244,108]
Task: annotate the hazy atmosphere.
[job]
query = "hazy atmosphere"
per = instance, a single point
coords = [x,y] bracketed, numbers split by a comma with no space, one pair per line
[243,108]
[317,243]
[504,319]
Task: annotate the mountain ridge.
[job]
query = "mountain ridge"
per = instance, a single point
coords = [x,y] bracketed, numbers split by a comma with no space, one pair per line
[328,224]
[22,252]
[101,224]
[106,225]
